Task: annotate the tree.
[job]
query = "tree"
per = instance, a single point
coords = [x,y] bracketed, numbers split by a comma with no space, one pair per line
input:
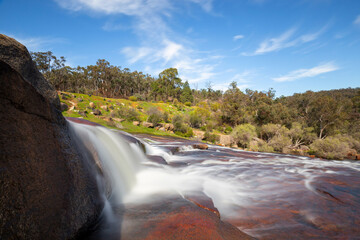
[186,94]
[234,105]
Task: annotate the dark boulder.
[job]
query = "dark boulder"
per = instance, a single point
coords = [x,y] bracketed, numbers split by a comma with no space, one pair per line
[17,56]
[47,190]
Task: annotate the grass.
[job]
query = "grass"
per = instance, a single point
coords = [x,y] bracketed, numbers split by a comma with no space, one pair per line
[82,104]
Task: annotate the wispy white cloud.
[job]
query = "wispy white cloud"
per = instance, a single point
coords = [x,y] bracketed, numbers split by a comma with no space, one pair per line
[307,73]
[110,26]
[160,47]
[207,5]
[285,40]
[357,20]
[237,37]
[37,44]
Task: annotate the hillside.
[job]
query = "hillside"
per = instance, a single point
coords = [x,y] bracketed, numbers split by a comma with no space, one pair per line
[200,122]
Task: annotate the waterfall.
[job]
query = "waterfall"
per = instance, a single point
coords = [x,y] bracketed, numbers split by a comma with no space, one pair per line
[117,160]
[260,193]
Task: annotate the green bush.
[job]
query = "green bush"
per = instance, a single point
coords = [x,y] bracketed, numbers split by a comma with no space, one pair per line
[178,122]
[166,116]
[127,113]
[260,145]
[243,134]
[330,148]
[270,130]
[133,98]
[279,142]
[195,120]
[188,104]
[350,141]
[155,116]
[211,137]
[228,130]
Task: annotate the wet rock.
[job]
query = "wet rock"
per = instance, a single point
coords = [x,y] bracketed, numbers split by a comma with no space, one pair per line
[201,146]
[157,159]
[64,107]
[97,112]
[47,190]
[203,201]
[174,218]
[136,123]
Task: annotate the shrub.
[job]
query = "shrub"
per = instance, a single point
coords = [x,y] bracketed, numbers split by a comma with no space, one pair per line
[350,141]
[243,134]
[188,104]
[260,145]
[211,137]
[155,116]
[228,130]
[133,98]
[270,130]
[330,148]
[175,102]
[195,120]
[166,116]
[178,122]
[127,113]
[279,142]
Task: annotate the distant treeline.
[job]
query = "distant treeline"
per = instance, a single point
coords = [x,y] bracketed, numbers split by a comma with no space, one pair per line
[323,114]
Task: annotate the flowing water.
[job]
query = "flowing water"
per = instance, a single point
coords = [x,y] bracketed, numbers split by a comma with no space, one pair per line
[268,196]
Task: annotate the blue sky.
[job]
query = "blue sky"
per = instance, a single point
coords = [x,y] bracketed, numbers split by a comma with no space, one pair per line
[289,45]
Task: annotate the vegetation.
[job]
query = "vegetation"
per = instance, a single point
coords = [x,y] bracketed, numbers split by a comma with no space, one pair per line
[325,123]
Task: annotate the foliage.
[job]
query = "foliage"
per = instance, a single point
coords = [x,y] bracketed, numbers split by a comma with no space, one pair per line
[178,122]
[133,98]
[228,129]
[155,116]
[188,104]
[127,113]
[195,120]
[302,118]
[260,145]
[211,137]
[279,142]
[243,134]
[186,95]
[330,148]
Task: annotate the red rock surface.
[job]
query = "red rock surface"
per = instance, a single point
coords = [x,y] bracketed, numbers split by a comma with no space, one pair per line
[174,218]
[203,201]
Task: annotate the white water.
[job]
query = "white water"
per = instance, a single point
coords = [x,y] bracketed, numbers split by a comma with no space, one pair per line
[232,182]
[118,159]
